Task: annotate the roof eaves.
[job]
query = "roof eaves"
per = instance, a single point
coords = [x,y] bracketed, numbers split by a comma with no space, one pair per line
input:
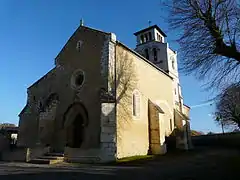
[146,29]
[187,106]
[43,77]
[23,110]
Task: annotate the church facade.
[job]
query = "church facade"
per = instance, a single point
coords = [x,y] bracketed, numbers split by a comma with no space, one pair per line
[104,101]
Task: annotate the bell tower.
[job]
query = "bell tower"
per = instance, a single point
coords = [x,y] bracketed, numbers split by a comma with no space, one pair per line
[152,44]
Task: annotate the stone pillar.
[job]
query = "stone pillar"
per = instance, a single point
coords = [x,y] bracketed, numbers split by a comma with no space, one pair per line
[189,138]
[108,63]
[185,138]
[108,132]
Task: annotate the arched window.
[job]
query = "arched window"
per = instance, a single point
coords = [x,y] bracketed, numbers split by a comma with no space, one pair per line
[146,54]
[155,54]
[136,104]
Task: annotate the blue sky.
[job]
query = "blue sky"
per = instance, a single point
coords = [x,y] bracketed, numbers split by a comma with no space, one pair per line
[33,32]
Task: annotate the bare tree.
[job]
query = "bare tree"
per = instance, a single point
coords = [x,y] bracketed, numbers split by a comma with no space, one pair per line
[228,107]
[209,38]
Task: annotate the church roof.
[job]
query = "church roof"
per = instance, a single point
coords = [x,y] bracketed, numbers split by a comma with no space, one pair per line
[151,27]
[96,30]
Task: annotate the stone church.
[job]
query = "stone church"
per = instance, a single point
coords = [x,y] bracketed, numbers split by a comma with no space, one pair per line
[104,101]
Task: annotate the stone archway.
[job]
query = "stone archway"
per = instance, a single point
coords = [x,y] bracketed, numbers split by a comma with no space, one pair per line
[74,124]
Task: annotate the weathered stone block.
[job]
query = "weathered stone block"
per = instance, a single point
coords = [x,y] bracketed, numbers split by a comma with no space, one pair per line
[107,137]
[108,129]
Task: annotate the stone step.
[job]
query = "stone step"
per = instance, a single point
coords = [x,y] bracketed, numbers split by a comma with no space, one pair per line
[43,160]
[54,154]
[40,161]
[51,157]
[84,159]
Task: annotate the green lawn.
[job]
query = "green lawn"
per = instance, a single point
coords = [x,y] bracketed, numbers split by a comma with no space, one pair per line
[135,158]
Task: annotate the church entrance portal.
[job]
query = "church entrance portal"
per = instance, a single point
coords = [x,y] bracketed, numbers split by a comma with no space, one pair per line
[74,125]
[77,132]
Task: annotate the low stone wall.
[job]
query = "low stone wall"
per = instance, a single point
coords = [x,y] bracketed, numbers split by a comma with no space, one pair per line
[17,154]
[228,140]
[35,152]
[4,143]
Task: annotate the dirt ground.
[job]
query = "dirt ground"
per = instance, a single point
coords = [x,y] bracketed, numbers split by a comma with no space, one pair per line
[203,163]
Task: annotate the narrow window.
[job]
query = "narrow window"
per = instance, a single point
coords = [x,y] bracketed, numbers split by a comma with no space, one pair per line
[173,64]
[150,36]
[160,38]
[146,54]
[136,104]
[171,127]
[79,45]
[142,39]
[146,37]
[155,54]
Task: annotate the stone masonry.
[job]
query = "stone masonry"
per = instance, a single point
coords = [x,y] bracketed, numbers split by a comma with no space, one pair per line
[108,131]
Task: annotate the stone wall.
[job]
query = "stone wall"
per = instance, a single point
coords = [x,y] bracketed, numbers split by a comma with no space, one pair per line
[108,62]
[87,59]
[4,143]
[82,155]
[18,154]
[108,132]
[157,137]
[46,123]
[36,152]
[227,140]
[107,150]
[152,84]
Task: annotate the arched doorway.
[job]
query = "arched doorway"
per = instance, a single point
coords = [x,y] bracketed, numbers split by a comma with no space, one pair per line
[74,125]
[77,132]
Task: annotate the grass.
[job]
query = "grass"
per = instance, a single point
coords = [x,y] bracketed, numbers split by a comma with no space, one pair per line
[134,159]
[124,161]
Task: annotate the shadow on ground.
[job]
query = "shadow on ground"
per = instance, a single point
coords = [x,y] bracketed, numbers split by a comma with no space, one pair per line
[198,164]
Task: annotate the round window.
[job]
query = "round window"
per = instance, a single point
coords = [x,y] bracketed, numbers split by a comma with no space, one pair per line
[77,79]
